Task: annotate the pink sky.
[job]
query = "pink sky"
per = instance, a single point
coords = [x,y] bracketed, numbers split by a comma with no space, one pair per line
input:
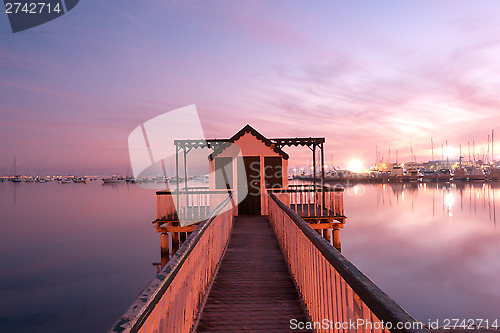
[362,75]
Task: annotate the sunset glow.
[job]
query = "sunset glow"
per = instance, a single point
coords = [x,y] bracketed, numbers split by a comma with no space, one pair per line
[355,166]
[387,75]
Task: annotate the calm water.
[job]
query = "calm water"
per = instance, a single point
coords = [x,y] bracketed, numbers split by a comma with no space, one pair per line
[74,256]
[434,249]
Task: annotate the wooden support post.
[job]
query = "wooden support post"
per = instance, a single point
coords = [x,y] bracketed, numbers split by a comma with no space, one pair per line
[177,176]
[336,239]
[175,242]
[314,178]
[165,250]
[182,237]
[164,243]
[322,176]
[185,170]
[327,235]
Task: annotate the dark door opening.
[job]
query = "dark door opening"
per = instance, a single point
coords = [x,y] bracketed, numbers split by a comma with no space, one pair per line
[249,184]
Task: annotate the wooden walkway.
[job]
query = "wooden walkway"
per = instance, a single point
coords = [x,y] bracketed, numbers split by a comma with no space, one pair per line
[253,289]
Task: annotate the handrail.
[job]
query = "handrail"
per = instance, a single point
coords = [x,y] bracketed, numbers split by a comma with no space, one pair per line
[300,188]
[310,202]
[165,288]
[192,190]
[187,206]
[384,308]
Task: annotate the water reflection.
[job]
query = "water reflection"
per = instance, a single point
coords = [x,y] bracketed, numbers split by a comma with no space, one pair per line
[73,255]
[432,247]
[450,196]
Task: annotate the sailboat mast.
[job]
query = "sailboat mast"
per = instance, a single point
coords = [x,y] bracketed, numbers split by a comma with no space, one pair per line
[474,151]
[488,150]
[432,149]
[492,155]
[460,157]
[468,145]
[447,157]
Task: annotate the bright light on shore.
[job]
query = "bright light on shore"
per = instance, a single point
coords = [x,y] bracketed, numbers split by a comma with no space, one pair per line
[355,166]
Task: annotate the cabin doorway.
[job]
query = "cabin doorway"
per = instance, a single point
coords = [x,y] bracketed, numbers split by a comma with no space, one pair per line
[249,184]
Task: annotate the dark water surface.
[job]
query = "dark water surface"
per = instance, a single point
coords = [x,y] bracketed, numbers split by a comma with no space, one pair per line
[74,256]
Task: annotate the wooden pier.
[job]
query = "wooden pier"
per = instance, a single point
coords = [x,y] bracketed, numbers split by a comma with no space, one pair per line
[260,273]
[252,253]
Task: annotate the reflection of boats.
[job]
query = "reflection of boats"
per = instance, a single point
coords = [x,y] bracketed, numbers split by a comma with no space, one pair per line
[477,174]
[114,179]
[461,174]
[444,175]
[143,180]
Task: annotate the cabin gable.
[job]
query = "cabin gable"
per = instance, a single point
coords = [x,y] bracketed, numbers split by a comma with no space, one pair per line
[270,164]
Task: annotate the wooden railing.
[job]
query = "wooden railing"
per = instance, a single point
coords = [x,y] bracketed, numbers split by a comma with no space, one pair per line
[307,201]
[334,291]
[170,303]
[188,205]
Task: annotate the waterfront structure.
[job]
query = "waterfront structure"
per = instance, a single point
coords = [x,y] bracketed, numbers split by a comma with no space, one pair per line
[239,263]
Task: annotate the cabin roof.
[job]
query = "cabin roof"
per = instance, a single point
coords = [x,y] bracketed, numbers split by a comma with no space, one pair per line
[239,134]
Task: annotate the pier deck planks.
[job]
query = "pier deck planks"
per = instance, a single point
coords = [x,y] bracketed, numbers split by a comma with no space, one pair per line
[253,289]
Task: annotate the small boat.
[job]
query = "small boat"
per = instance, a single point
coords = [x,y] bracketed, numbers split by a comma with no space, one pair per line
[413,175]
[16,179]
[66,181]
[130,180]
[444,175]
[161,179]
[461,174]
[477,174]
[429,176]
[80,180]
[396,174]
[494,174]
[114,179]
